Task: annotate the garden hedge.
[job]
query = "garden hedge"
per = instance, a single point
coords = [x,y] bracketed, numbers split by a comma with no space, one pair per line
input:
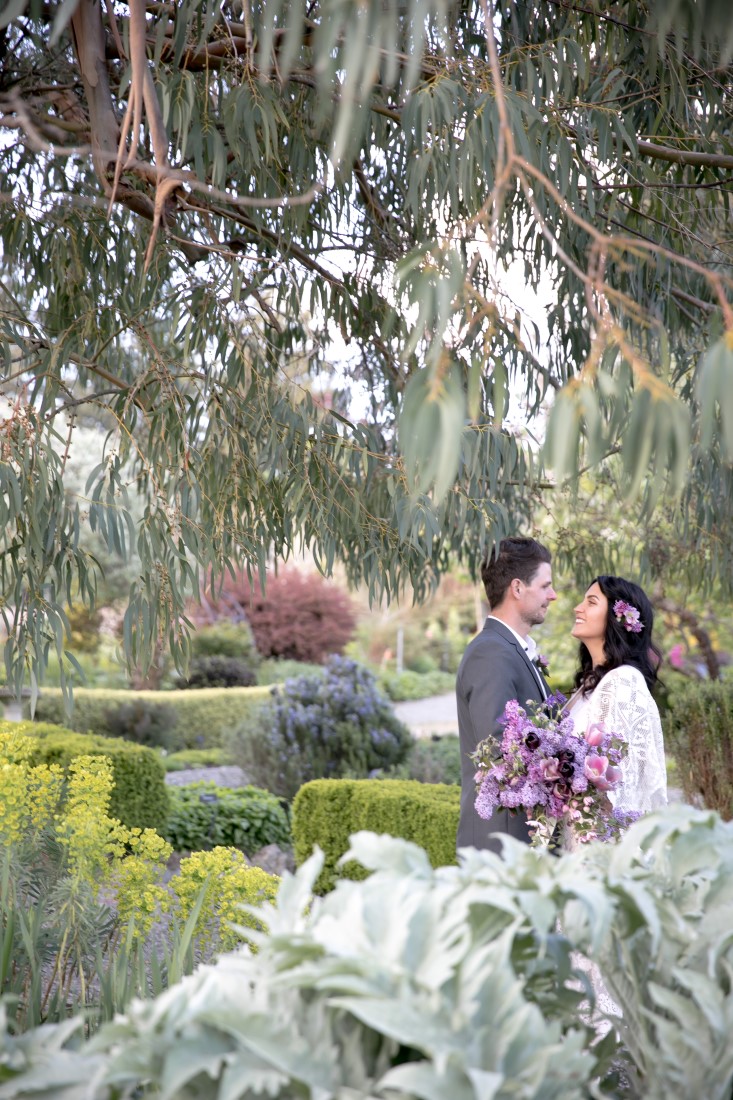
[203,718]
[327,811]
[139,796]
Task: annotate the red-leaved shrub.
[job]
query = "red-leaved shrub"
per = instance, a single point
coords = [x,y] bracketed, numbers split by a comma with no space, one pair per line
[301,616]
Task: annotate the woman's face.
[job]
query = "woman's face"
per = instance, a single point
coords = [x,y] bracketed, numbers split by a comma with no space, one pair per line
[591,616]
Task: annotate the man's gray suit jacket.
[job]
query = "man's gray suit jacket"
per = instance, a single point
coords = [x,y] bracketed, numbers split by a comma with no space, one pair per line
[494,669]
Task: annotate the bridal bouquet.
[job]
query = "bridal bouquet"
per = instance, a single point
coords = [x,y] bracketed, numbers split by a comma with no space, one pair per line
[552,774]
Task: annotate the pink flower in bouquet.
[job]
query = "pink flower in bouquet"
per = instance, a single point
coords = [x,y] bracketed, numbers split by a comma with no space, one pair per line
[550,769]
[594,734]
[601,773]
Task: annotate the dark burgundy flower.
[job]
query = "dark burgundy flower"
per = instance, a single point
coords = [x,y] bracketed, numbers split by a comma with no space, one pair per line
[532,741]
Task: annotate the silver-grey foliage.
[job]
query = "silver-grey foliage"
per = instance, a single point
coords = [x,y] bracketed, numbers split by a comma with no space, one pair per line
[460,982]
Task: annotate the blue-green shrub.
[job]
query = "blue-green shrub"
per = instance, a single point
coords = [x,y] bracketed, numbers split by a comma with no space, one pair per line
[431,760]
[327,726]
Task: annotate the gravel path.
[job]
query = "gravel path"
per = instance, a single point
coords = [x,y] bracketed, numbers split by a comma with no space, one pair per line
[225,776]
[436,714]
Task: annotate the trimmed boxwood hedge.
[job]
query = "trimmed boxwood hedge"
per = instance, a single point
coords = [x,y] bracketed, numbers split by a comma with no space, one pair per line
[203,718]
[327,811]
[139,796]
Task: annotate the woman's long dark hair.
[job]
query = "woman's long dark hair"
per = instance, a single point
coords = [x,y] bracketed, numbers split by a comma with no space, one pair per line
[621,646]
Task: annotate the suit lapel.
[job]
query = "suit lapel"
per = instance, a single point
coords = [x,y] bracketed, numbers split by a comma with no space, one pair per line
[495,626]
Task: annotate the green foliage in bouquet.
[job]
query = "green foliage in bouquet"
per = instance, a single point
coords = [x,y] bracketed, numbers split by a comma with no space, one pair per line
[429,983]
[204,815]
[327,811]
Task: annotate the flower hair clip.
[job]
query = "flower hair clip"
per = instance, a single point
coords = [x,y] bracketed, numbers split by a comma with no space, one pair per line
[627,614]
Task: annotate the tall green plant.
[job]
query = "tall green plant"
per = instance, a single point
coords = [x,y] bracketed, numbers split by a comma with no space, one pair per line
[699,733]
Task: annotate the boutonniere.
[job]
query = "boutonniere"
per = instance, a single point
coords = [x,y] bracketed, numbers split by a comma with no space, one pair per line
[542,664]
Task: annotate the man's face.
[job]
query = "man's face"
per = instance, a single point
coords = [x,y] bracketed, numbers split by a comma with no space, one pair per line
[534,598]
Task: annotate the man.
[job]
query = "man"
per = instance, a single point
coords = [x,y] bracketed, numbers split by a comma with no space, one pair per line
[498,666]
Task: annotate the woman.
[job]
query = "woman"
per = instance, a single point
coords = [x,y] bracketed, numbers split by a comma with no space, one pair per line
[618,668]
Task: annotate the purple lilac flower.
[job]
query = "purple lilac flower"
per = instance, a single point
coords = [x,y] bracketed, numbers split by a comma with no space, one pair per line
[486,799]
[629,615]
[541,766]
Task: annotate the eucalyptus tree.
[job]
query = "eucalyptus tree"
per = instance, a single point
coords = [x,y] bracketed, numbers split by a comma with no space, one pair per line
[198,195]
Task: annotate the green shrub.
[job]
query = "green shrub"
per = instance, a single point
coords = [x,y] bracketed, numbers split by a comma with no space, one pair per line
[195,758]
[139,796]
[204,718]
[221,672]
[142,722]
[276,670]
[698,727]
[327,726]
[431,760]
[327,811]
[205,816]
[403,686]
[226,639]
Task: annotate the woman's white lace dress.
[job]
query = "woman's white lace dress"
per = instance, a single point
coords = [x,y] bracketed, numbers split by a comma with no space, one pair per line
[623,703]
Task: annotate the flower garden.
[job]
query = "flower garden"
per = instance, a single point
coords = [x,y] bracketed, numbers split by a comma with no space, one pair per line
[395,970]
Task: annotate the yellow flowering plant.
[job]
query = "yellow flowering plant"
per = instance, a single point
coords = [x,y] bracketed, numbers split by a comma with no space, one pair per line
[73,878]
[71,874]
[228,882]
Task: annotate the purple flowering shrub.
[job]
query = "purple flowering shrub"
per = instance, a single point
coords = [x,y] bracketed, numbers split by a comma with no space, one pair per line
[546,770]
[331,726]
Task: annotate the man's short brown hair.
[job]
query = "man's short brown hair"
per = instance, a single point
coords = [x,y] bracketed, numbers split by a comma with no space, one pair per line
[517,558]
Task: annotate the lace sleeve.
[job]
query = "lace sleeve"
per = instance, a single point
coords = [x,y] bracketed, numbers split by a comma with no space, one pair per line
[624,704]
